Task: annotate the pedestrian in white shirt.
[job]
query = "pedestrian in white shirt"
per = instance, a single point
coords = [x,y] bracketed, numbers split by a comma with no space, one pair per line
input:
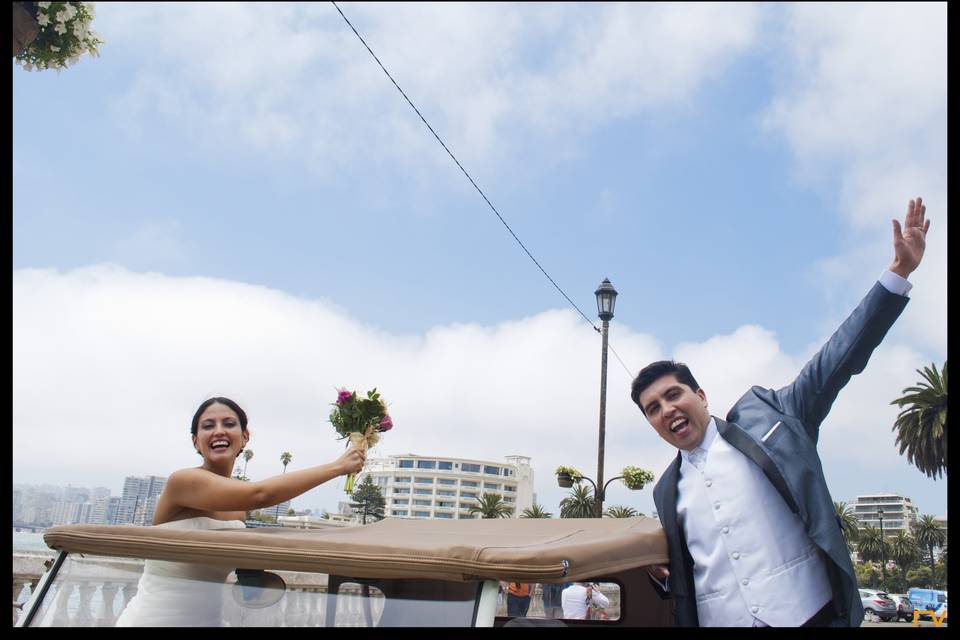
[577,599]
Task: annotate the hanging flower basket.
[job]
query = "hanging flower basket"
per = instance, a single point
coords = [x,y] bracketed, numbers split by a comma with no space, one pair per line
[63,35]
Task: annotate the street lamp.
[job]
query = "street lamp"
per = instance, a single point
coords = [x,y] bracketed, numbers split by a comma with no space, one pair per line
[883,547]
[606,300]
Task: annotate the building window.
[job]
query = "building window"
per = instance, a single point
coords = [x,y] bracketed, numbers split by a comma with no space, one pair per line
[426,464]
[445,505]
[468,494]
[445,465]
[424,480]
[423,492]
[406,464]
[508,487]
[446,516]
[421,514]
[398,502]
[490,485]
[446,481]
[508,499]
[422,503]
[465,505]
[468,483]
[401,491]
[401,478]
[472,468]
[493,471]
[399,513]
[444,492]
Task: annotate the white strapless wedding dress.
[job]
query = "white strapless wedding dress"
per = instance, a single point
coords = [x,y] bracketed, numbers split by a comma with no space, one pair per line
[177,594]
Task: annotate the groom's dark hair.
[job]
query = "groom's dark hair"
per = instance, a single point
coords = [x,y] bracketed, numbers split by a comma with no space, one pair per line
[656,370]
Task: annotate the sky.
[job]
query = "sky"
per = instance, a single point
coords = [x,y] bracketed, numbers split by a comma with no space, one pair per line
[234,199]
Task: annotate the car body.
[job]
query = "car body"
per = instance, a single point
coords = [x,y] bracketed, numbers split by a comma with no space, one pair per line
[395,572]
[929,600]
[878,603]
[904,606]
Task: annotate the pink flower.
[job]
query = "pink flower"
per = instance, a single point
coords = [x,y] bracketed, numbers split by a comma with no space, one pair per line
[386,424]
[343,395]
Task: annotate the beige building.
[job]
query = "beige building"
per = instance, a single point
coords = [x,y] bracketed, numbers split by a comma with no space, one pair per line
[439,487]
[898,511]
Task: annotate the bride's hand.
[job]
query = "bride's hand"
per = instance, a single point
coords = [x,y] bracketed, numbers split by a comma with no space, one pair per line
[352,460]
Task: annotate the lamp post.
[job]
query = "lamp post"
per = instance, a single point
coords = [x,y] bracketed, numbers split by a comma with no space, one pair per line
[883,548]
[566,481]
[606,299]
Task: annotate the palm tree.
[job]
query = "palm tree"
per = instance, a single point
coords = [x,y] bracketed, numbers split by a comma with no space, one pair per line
[922,426]
[580,503]
[618,511]
[536,511]
[285,458]
[928,534]
[491,505]
[872,547]
[848,519]
[247,454]
[904,551]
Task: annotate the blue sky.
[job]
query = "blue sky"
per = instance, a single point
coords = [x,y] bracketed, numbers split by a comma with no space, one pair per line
[258,213]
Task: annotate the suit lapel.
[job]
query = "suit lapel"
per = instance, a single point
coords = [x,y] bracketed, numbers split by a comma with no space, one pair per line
[742,442]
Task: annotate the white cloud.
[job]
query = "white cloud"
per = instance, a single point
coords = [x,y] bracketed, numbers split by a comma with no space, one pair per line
[862,101]
[109,366]
[293,80]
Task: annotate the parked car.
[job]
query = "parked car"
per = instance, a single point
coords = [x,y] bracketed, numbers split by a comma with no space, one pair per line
[395,572]
[878,603]
[904,606]
[929,600]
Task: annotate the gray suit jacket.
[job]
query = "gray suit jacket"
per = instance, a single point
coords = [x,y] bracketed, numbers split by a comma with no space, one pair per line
[789,457]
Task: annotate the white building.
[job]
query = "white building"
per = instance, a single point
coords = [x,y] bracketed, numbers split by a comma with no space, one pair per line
[898,512]
[416,486]
[139,499]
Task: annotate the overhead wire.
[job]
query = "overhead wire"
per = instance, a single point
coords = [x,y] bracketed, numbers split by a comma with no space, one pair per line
[475,186]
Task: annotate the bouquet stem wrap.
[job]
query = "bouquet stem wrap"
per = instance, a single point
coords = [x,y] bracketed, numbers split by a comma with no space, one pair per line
[362,441]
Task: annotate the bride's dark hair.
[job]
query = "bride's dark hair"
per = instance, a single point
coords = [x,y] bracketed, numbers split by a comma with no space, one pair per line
[224,401]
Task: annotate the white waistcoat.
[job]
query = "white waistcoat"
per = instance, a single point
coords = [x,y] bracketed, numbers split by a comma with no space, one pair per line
[752,558]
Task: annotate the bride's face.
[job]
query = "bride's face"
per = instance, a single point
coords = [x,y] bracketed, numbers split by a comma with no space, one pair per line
[219,434]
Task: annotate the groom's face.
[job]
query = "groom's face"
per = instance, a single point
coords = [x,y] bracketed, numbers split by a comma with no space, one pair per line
[677,412]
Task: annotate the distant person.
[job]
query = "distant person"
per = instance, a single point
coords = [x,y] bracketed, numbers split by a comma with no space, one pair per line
[579,598]
[752,532]
[206,497]
[518,599]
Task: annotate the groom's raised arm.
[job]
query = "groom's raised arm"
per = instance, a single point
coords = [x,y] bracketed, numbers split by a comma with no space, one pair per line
[847,351]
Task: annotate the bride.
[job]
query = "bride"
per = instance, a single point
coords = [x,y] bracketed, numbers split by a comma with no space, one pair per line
[206,497]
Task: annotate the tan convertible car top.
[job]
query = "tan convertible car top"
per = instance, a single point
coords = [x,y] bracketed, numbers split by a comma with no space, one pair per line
[521,549]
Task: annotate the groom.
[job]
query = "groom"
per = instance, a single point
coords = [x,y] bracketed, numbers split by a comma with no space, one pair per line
[752,532]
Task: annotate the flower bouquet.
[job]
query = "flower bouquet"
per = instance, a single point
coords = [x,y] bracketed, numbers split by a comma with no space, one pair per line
[64,34]
[362,420]
[635,477]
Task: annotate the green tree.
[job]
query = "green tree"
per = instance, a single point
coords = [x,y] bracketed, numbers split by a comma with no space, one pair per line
[536,511]
[873,548]
[928,534]
[848,519]
[368,501]
[905,552]
[868,575]
[285,458]
[491,505]
[247,454]
[580,503]
[921,426]
[618,511]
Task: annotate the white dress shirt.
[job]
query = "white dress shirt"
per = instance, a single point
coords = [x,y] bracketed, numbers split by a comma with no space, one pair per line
[574,601]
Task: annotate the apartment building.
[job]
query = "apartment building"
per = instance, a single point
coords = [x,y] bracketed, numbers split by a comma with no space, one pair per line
[440,487]
[898,512]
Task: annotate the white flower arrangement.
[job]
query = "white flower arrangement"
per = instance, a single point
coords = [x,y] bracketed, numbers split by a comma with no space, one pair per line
[635,477]
[64,36]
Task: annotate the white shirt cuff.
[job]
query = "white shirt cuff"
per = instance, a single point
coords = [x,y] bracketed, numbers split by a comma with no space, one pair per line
[895,284]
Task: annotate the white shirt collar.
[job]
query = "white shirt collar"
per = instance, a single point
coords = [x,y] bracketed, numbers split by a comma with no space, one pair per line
[708,436]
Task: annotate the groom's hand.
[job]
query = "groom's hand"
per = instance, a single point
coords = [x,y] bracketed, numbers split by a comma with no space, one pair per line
[910,242]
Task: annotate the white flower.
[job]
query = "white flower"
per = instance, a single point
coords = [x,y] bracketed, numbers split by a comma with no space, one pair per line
[70,10]
[60,28]
[91,8]
[43,5]
[54,48]
[42,19]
